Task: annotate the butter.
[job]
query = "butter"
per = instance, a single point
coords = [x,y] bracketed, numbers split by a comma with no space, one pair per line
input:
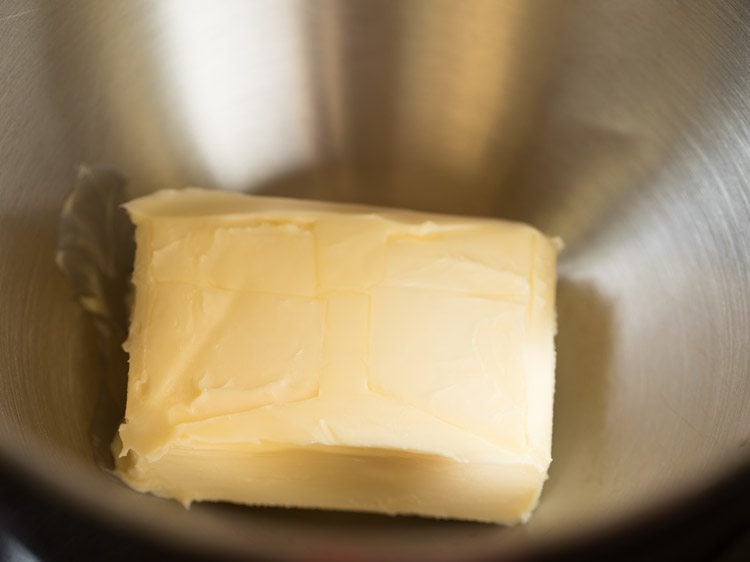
[296,353]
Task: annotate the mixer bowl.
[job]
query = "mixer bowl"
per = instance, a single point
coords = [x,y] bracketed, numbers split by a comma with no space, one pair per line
[621,126]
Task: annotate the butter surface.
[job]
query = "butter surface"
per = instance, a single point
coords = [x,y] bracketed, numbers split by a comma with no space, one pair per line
[297,353]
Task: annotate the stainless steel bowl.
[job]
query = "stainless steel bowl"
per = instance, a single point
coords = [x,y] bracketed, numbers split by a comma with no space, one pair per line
[622,126]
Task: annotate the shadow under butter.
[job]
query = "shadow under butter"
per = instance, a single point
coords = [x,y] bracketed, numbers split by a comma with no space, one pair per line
[584,348]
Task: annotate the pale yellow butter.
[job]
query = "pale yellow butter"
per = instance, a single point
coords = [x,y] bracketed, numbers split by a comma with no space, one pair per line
[294,353]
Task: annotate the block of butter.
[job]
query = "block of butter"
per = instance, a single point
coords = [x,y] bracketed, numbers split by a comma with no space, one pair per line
[297,353]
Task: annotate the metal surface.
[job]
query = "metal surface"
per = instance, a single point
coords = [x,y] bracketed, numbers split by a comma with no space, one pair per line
[622,126]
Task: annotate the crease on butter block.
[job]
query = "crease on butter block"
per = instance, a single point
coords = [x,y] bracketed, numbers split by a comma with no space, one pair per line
[298,353]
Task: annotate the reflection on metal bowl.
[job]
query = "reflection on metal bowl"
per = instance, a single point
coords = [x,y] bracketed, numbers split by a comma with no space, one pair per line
[623,127]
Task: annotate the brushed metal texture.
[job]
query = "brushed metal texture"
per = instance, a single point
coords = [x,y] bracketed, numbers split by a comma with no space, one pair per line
[621,126]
